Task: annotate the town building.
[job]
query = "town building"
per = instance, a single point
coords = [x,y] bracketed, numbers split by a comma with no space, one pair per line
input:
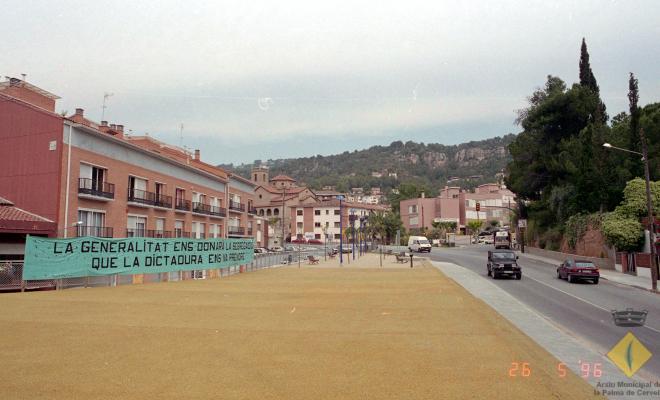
[323,220]
[273,200]
[455,205]
[93,179]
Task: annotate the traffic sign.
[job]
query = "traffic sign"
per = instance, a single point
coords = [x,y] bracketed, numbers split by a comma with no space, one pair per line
[522,223]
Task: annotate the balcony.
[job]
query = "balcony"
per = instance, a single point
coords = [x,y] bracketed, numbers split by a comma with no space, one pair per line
[162,200]
[136,232]
[201,208]
[249,232]
[97,231]
[141,197]
[218,211]
[235,206]
[182,205]
[95,189]
[236,230]
[252,210]
[154,233]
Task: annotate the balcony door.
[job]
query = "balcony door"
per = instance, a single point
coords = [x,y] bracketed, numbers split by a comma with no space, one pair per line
[92,223]
[92,178]
[137,188]
[136,226]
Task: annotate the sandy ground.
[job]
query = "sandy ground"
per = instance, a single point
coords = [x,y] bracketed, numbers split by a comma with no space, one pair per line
[316,332]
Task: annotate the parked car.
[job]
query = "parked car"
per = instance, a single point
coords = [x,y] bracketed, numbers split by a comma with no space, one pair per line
[276,249]
[290,248]
[503,263]
[575,270]
[260,250]
[347,248]
[314,241]
[299,241]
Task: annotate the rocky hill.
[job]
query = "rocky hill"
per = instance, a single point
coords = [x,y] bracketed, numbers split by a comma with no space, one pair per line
[431,165]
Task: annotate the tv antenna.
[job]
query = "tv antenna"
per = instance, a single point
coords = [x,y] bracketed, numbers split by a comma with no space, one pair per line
[105,98]
[181,135]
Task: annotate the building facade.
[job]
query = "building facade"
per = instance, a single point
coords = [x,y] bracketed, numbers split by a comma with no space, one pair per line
[92,179]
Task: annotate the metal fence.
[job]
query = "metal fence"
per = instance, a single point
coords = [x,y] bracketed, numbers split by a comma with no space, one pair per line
[11,273]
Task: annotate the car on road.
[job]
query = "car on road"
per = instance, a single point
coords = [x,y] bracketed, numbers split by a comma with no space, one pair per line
[299,241]
[486,240]
[260,250]
[576,270]
[503,262]
[347,248]
[314,241]
[419,244]
[276,249]
[290,248]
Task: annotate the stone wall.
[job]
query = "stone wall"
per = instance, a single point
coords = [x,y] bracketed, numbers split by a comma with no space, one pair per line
[604,263]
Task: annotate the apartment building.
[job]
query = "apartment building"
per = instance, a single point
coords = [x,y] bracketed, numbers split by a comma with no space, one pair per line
[455,205]
[323,219]
[92,179]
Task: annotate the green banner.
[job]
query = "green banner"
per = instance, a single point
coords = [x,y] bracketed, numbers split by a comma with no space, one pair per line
[89,256]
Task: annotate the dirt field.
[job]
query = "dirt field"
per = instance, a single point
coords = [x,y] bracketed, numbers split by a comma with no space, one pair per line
[285,333]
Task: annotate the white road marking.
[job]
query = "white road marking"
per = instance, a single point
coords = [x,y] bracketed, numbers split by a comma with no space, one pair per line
[583,300]
[292,310]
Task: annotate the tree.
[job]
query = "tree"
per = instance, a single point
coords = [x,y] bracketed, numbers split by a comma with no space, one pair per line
[587,77]
[474,226]
[624,233]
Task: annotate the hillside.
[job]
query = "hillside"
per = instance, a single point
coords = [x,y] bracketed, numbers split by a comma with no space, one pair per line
[430,165]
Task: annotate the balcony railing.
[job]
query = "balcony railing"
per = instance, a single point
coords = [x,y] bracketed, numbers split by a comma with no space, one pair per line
[218,211]
[252,210]
[181,204]
[141,196]
[201,208]
[95,188]
[162,200]
[236,230]
[98,231]
[181,234]
[236,206]
[154,233]
[136,232]
[249,231]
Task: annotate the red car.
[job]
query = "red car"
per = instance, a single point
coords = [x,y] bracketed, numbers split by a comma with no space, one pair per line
[299,241]
[574,270]
[314,241]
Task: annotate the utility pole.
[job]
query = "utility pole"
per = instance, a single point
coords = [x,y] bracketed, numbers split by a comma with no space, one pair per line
[649,208]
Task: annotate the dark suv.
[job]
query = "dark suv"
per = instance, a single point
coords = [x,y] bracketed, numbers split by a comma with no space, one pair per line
[503,263]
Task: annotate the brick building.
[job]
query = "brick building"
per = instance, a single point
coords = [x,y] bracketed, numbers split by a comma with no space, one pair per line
[92,179]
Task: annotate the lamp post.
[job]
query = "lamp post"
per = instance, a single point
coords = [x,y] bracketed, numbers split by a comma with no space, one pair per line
[325,243]
[352,221]
[649,206]
[341,232]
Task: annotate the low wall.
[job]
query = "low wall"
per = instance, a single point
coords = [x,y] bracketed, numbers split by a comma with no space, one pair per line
[604,263]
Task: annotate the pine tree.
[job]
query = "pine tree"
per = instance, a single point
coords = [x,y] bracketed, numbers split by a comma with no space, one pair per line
[633,99]
[588,80]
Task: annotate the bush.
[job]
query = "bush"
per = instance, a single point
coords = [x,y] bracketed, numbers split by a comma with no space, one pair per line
[622,232]
[577,225]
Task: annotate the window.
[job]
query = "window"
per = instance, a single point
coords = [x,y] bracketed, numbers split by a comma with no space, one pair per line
[299,225]
[317,212]
[160,190]
[160,227]
[93,223]
[337,225]
[327,224]
[299,212]
[179,197]
[92,177]
[178,228]
[317,224]
[337,236]
[336,212]
[413,221]
[137,188]
[317,236]
[136,226]
[412,209]
[201,234]
[195,229]
[327,212]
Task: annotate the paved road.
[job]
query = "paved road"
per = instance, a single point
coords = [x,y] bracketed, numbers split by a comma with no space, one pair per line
[582,309]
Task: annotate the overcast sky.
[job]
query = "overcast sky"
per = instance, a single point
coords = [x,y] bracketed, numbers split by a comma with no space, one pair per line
[273,79]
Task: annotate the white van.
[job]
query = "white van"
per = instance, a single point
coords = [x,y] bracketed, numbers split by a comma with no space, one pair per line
[419,244]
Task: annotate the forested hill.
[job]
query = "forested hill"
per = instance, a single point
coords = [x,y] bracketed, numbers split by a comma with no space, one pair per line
[429,165]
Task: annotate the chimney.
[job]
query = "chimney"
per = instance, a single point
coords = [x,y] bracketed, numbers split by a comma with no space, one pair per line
[197,154]
[104,123]
[120,128]
[113,127]
[80,111]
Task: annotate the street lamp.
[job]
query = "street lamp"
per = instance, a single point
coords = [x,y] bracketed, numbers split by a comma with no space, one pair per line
[341,232]
[649,206]
[352,221]
[74,225]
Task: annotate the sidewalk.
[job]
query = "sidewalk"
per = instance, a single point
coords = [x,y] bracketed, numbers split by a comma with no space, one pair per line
[639,282]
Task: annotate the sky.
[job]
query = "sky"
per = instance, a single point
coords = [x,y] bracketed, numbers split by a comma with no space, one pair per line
[279,79]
